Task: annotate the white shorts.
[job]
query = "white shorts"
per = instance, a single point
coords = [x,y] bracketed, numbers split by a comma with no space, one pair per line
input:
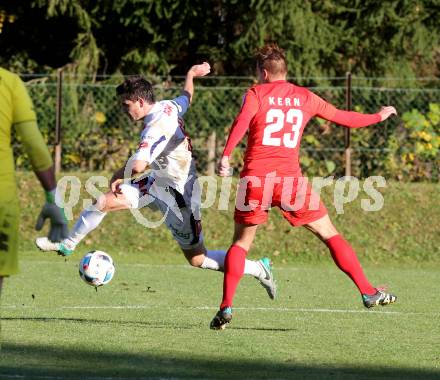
[181,212]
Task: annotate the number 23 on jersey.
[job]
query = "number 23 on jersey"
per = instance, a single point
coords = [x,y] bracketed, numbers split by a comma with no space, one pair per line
[275,120]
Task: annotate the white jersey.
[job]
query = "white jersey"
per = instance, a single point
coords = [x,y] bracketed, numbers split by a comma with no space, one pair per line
[165,146]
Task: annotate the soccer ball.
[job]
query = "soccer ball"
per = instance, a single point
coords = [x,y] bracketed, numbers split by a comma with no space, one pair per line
[96,268]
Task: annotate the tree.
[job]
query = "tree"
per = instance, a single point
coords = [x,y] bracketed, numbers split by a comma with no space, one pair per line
[322,38]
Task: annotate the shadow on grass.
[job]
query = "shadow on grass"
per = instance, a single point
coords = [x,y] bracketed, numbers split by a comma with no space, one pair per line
[33,361]
[152,325]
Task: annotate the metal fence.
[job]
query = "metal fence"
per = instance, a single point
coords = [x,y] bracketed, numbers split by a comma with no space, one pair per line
[83,123]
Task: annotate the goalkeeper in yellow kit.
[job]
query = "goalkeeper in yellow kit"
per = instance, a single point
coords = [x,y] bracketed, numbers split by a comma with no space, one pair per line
[17,114]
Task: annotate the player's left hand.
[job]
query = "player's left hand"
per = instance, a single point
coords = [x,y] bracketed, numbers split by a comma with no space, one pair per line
[201,70]
[386,112]
[224,168]
[58,223]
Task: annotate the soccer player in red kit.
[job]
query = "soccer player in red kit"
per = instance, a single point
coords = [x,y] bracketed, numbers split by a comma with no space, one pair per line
[275,113]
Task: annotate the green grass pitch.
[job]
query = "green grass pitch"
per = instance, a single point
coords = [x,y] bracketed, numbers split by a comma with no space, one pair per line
[152,321]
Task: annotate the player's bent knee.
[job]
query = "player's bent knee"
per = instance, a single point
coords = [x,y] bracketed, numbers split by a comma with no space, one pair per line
[194,257]
[196,261]
[327,233]
[101,203]
[245,244]
[323,228]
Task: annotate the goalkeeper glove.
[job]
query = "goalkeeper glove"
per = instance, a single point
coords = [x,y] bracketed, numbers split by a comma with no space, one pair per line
[58,222]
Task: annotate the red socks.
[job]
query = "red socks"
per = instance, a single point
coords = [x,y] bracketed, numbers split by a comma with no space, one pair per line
[342,253]
[234,268]
[347,261]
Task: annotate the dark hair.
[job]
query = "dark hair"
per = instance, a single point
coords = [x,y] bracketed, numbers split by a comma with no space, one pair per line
[134,88]
[272,58]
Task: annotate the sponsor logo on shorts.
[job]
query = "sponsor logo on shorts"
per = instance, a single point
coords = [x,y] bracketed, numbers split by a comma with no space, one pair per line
[178,233]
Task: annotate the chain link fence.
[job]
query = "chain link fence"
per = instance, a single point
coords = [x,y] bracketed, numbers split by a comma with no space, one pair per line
[97,135]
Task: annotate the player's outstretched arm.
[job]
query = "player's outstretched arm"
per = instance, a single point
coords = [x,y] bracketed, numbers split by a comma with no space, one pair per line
[183,101]
[358,120]
[193,72]
[348,118]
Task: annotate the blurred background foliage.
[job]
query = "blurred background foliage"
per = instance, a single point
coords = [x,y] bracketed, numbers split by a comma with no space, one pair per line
[391,48]
[96,135]
[322,38]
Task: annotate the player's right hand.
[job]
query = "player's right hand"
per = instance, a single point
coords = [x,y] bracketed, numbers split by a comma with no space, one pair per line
[200,70]
[115,186]
[386,112]
[224,168]
[58,222]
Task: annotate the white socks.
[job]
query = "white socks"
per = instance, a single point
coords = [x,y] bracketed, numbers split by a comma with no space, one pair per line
[215,260]
[251,267]
[87,222]
[91,218]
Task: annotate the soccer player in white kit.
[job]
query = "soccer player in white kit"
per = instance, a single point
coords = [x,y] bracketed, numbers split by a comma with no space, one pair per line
[171,185]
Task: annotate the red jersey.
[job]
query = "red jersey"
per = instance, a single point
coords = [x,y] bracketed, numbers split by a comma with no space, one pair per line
[276,114]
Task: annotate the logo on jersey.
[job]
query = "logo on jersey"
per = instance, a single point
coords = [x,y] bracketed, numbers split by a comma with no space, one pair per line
[167,109]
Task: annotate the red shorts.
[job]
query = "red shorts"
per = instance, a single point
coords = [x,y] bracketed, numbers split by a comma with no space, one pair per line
[293,195]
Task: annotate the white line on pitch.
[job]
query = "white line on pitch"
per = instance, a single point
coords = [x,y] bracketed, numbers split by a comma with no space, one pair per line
[178,266]
[268,309]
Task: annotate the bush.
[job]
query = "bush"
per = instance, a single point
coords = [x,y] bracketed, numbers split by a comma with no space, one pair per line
[414,150]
